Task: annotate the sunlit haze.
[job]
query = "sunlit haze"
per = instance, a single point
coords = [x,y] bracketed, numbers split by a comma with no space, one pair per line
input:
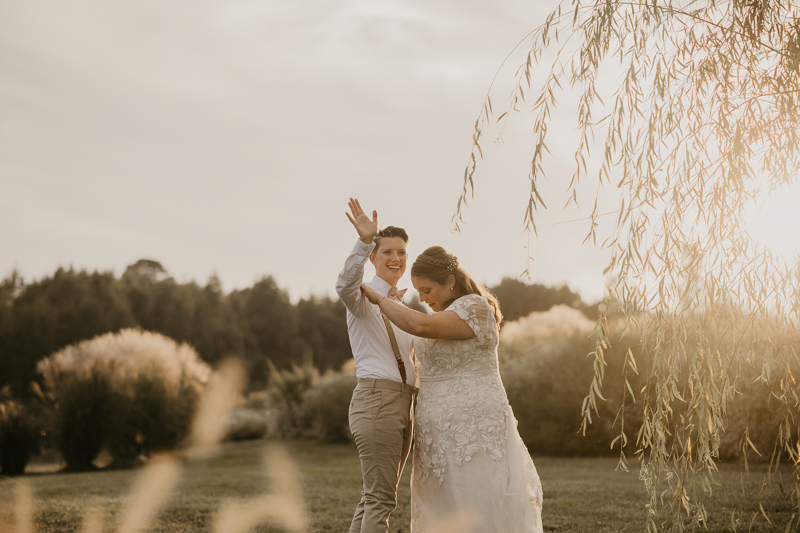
[226,137]
[774,222]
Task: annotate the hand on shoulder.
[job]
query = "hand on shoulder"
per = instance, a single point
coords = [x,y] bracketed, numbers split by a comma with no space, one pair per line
[372,295]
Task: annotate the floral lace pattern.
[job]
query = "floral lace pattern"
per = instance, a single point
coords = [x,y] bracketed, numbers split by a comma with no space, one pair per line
[442,358]
[467,450]
[461,408]
[462,416]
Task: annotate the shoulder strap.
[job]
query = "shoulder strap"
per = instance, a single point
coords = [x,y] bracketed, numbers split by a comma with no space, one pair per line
[400,364]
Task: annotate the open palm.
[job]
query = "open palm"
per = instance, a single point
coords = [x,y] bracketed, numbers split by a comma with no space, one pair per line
[366,227]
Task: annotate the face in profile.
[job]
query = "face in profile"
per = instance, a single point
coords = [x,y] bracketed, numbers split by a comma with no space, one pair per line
[389,258]
[435,295]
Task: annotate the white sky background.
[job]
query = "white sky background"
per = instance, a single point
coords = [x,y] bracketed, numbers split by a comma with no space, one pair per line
[225,136]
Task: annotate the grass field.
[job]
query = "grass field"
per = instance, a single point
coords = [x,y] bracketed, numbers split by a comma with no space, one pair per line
[581,495]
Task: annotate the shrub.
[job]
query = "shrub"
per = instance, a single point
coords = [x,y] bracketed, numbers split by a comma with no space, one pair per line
[133,392]
[546,375]
[83,411]
[148,419]
[326,406]
[546,390]
[247,424]
[757,411]
[18,438]
[285,390]
[257,401]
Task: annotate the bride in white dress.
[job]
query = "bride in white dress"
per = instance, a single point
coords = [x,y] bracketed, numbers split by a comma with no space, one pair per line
[468,455]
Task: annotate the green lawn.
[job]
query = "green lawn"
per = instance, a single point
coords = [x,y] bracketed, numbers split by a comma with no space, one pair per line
[581,495]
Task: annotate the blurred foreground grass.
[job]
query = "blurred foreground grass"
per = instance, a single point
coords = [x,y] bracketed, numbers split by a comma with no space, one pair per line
[581,494]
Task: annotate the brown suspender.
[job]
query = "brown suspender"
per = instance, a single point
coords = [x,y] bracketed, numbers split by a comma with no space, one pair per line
[400,364]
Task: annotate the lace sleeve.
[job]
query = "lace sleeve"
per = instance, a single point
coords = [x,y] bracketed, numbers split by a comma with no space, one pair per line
[476,312]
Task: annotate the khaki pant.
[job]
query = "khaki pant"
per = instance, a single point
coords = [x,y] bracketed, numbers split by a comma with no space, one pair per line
[381,423]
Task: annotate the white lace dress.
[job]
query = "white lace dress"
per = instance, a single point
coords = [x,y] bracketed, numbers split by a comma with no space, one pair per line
[468,454]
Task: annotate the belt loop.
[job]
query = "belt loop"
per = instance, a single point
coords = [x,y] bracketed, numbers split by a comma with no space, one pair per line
[373,385]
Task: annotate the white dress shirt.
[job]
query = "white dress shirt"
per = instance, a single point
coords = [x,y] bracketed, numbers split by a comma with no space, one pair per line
[369,339]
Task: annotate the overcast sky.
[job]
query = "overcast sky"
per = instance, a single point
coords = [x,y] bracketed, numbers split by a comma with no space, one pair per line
[225,136]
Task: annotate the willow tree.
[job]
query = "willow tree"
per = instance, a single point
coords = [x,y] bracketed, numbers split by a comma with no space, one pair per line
[702,120]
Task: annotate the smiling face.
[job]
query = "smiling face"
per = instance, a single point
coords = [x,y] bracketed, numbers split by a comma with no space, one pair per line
[389,258]
[437,296]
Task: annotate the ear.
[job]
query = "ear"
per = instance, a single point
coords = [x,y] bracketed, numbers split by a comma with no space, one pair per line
[451,280]
[372,259]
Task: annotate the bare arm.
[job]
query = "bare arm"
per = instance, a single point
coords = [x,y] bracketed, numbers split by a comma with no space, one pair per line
[443,325]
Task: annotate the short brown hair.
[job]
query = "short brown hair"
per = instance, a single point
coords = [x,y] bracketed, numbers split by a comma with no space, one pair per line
[389,231]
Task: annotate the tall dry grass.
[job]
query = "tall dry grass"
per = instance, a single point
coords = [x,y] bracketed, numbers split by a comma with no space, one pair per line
[283,505]
[150,491]
[93,521]
[24,507]
[223,393]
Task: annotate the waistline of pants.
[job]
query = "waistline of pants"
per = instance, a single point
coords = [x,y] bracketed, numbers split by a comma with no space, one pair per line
[388,384]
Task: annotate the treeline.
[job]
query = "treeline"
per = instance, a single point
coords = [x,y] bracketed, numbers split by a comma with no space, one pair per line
[256,324]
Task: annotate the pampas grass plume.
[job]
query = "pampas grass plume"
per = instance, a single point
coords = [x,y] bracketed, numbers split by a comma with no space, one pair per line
[24,508]
[92,521]
[284,505]
[121,357]
[220,396]
[557,322]
[150,491]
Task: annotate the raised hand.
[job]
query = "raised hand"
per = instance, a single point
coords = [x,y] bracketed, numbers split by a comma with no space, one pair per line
[365,227]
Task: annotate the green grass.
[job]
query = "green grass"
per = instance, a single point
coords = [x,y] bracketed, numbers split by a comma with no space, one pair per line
[581,495]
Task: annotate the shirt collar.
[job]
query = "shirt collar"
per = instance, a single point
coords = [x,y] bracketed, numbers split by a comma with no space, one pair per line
[380,285]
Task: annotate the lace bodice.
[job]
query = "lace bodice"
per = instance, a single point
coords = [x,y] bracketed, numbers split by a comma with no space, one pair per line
[462,403]
[467,451]
[440,358]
